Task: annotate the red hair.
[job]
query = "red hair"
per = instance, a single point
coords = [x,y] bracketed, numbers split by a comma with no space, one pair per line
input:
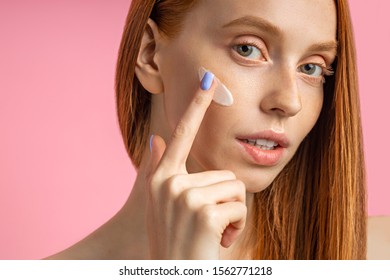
[316,207]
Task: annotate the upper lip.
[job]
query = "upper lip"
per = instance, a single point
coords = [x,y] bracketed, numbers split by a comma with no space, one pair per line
[279,138]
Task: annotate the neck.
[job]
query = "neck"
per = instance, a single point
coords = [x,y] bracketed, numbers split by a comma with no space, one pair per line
[134,213]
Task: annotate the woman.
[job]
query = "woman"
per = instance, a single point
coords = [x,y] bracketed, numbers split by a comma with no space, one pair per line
[277,174]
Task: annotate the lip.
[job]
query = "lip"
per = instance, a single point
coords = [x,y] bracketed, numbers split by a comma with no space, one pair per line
[279,138]
[265,157]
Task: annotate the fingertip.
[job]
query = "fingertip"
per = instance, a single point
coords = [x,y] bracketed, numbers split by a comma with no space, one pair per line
[207,81]
[158,141]
[157,146]
[229,236]
[210,82]
[151,143]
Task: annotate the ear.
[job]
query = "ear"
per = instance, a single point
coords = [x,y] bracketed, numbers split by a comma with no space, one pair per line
[146,68]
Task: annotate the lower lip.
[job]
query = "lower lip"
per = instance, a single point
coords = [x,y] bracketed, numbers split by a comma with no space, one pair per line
[263,157]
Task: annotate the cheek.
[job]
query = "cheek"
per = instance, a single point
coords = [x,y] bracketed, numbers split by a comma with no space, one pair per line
[214,140]
[176,101]
[311,108]
[179,70]
[315,104]
[179,89]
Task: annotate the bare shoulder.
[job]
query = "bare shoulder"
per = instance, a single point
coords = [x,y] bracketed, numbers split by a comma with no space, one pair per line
[378,238]
[114,240]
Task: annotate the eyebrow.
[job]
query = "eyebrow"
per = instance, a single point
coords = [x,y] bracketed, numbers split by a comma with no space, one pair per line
[256,22]
[263,24]
[330,46]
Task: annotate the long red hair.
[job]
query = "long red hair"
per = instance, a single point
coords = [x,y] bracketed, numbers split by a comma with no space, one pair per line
[316,207]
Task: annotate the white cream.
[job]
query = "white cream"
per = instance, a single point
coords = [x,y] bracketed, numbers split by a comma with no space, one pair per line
[222,95]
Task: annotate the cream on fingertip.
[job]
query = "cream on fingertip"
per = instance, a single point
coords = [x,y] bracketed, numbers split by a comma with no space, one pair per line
[222,95]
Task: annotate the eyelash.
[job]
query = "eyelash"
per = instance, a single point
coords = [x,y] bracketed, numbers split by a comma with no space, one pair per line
[326,70]
[252,44]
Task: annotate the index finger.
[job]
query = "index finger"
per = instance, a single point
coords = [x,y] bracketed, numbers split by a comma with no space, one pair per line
[178,149]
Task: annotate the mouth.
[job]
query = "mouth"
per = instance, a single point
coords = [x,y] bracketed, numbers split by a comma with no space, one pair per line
[262,144]
[266,140]
[266,148]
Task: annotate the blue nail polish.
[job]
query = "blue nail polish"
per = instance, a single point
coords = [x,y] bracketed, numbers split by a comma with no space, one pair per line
[150,142]
[207,81]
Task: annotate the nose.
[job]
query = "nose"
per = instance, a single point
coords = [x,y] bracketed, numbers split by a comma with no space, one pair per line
[282,97]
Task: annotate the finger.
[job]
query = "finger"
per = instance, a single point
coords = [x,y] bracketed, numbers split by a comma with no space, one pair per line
[207,178]
[221,192]
[179,184]
[157,147]
[233,190]
[227,219]
[184,134]
[236,213]
[230,235]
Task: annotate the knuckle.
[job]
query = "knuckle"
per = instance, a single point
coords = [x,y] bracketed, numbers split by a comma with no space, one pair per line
[181,130]
[173,186]
[201,99]
[190,199]
[153,182]
[154,178]
[243,209]
[230,174]
[174,180]
[208,216]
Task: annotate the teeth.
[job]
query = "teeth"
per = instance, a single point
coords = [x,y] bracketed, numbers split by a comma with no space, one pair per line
[265,147]
[251,141]
[262,143]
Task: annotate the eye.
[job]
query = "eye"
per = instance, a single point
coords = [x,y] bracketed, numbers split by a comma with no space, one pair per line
[312,69]
[248,51]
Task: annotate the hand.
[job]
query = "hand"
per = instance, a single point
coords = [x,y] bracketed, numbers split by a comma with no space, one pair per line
[190,215]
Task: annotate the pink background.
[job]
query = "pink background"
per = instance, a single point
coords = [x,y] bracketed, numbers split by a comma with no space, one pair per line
[63,168]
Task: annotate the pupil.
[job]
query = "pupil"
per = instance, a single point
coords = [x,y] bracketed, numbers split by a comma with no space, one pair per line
[308,67]
[246,50]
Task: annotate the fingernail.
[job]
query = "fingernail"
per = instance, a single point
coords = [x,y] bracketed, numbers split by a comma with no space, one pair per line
[207,81]
[150,142]
[222,94]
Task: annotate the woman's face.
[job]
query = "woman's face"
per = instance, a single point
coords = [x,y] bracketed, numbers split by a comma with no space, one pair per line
[272,55]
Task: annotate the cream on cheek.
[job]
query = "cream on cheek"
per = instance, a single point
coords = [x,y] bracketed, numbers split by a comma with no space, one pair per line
[222,94]
[178,96]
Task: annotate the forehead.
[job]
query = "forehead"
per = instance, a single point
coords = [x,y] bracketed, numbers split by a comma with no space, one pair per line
[314,20]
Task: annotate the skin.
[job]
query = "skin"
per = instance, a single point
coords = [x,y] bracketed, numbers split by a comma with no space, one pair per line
[189,201]
[271,92]
[378,241]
